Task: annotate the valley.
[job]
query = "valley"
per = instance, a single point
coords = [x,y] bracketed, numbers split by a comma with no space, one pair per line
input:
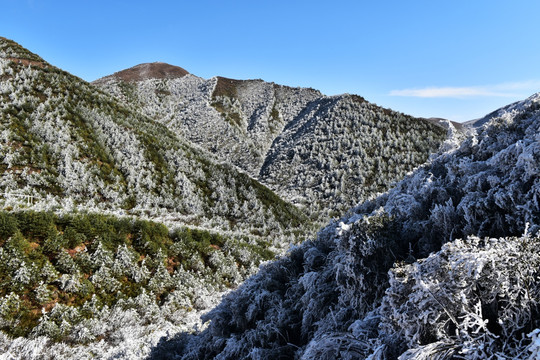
[156,214]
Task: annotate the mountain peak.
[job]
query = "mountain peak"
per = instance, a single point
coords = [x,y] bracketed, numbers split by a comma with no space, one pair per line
[155,70]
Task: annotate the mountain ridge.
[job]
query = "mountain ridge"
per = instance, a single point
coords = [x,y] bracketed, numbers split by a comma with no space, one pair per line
[244,122]
[67,142]
[170,150]
[80,176]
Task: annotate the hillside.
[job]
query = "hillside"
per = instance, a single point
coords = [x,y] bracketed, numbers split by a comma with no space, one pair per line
[326,152]
[343,150]
[444,265]
[234,119]
[66,145]
[80,285]
[81,272]
[84,273]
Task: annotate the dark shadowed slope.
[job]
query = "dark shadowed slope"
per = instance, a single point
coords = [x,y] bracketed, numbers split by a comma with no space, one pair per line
[390,279]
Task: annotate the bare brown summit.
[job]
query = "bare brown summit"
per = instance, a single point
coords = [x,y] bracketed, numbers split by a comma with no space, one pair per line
[155,70]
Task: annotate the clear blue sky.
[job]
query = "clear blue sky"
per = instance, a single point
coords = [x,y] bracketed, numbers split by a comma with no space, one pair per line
[454,59]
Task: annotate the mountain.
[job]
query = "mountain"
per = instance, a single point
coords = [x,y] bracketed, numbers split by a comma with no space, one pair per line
[443,265]
[131,205]
[342,150]
[323,153]
[81,270]
[77,284]
[236,120]
[67,145]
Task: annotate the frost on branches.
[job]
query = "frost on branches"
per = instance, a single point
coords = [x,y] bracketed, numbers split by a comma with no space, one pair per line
[67,146]
[476,298]
[392,279]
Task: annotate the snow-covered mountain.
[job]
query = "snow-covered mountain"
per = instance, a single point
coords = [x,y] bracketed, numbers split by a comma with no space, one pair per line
[65,144]
[324,153]
[76,280]
[342,150]
[444,265]
[236,120]
[81,275]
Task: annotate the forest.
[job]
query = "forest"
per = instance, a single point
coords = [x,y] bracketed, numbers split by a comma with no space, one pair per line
[189,218]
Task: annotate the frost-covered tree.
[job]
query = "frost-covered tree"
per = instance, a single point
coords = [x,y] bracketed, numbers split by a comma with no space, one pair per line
[442,266]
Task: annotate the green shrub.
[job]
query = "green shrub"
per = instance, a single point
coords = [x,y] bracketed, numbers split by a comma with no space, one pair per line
[150,237]
[8,225]
[18,244]
[36,224]
[53,241]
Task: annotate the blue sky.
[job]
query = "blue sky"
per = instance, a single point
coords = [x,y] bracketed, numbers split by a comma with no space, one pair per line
[454,59]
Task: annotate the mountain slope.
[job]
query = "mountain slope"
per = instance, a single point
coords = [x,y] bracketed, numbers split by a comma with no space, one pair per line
[81,284]
[236,120]
[342,150]
[328,152]
[75,282]
[393,279]
[69,145]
